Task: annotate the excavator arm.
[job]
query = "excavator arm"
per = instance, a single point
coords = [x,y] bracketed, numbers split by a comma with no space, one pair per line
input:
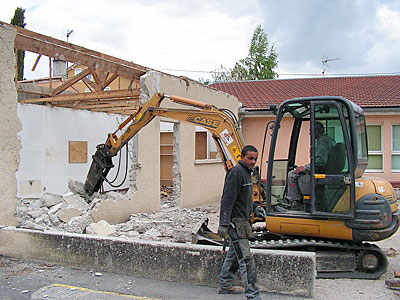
[221,123]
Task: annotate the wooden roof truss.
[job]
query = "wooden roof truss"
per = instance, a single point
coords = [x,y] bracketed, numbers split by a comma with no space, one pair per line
[104,69]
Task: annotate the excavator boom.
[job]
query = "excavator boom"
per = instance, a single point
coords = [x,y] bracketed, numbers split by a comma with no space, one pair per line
[221,123]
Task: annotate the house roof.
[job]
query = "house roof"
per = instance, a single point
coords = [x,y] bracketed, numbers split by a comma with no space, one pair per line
[367,92]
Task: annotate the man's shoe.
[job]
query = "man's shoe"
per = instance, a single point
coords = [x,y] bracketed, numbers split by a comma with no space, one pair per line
[231,290]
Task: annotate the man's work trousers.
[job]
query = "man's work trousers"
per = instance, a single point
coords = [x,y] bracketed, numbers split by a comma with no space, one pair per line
[240,258]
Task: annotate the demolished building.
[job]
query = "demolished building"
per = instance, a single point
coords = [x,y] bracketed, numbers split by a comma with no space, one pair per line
[50,133]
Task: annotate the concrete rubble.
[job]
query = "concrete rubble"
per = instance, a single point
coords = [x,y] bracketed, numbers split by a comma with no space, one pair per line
[71,213]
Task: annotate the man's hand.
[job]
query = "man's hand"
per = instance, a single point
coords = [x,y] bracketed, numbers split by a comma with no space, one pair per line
[259,212]
[300,169]
[223,231]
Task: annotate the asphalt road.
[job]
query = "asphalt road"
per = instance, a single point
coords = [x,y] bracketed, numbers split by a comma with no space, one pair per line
[21,280]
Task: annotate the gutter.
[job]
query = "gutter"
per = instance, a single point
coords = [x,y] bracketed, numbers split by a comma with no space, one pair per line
[242,113]
[380,110]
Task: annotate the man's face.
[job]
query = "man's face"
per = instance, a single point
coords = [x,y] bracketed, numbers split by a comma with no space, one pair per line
[250,159]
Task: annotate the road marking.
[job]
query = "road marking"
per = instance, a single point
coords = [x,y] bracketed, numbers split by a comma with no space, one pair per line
[100,292]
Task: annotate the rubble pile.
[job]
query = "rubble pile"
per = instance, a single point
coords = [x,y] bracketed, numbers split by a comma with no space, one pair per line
[71,213]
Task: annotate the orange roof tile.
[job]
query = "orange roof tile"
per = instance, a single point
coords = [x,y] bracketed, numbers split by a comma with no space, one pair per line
[371,91]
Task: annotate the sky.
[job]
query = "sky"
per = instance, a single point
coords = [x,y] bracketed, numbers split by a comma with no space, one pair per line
[194,37]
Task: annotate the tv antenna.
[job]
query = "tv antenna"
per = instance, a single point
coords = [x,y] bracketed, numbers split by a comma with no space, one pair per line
[69,32]
[325,65]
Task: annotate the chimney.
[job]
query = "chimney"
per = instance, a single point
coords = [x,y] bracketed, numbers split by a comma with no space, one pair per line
[59,68]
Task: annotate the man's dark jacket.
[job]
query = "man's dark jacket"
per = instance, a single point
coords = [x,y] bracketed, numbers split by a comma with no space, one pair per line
[236,199]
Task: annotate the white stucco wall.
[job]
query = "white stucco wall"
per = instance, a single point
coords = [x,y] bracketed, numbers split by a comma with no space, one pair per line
[46,131]
[10,125]
[200,183]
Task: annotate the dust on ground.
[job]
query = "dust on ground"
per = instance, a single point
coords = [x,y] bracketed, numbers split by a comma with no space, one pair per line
[174,223]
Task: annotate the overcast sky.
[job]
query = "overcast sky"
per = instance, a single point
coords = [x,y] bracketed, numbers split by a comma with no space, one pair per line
[202,35]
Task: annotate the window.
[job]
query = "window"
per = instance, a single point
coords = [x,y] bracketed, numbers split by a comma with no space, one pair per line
[204,145]
[396,147]
[375,148]
[107,89]
[77,71]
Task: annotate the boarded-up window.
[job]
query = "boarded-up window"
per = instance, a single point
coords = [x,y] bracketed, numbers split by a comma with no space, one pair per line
[166,158]
[77,152]
[201,145]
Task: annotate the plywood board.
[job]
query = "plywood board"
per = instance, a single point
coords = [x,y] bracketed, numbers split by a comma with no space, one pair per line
[77,152]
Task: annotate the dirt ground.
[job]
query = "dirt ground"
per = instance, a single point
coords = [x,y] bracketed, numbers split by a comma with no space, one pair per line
[161,226]
[325,289]
[333,289]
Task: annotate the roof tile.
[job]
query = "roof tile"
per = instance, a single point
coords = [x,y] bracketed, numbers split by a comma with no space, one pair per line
[371,91]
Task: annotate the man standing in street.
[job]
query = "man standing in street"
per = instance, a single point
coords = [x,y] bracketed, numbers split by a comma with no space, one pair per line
[234,222]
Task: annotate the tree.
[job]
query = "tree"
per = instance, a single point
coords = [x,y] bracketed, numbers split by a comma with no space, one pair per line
[259,63]
[18,20]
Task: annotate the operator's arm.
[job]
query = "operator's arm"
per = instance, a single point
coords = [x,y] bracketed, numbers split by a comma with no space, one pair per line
[233,183]
[322,149]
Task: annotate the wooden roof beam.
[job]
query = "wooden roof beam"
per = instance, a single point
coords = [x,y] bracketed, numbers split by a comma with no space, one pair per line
[86,96]
[71,82]
[109,81]
[101,103]
[109,105]
[45,45]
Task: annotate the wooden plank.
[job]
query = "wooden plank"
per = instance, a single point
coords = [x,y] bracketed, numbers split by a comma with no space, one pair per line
[114,109]
[21,90]
[392,283]
[127,101]
[86,96]
[108,105]
[45,45]
[95,75]
[71,82]
[50,78]
[36,62]
[109,81]
[89,83]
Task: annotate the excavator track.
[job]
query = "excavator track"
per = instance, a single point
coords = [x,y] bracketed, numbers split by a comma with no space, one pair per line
[335,259]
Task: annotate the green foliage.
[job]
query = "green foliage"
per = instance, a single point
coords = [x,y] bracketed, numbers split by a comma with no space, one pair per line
[259,63]
[18,20]
[205,81]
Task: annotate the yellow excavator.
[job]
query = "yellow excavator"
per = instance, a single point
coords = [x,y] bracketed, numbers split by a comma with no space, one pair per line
[342,210]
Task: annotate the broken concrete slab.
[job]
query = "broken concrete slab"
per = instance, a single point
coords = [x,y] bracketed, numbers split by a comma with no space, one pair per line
[76,187]
[78,224]
[49,200]
[102,228]
[286,272]
[76,201]
[66,214]
[110,209]
[56,208]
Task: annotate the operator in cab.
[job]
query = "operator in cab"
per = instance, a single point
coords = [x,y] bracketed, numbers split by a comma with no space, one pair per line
[234,223]
[323,146]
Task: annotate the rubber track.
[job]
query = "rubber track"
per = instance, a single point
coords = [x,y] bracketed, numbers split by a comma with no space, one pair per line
[304,244]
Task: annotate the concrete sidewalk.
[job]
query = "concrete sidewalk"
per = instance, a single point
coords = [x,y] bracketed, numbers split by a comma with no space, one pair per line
[286,272]
[25,280]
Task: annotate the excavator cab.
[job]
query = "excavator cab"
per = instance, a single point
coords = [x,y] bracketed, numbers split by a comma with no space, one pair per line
[334,161]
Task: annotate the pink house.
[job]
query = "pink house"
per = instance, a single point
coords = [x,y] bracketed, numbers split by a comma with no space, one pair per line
[379,96]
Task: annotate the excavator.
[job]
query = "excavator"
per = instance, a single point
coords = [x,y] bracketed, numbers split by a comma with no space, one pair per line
[342,210]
